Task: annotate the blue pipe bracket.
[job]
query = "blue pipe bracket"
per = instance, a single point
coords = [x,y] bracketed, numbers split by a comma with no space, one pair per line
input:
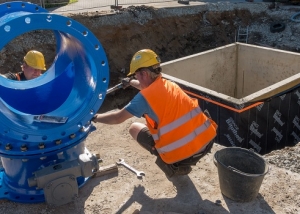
[44,120]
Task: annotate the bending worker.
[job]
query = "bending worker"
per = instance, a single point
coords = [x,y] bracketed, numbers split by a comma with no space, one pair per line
[32,67]
[176,130]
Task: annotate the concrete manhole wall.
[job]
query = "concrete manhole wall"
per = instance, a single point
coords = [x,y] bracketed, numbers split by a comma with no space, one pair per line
[173,33]
[265,120]
[243,72]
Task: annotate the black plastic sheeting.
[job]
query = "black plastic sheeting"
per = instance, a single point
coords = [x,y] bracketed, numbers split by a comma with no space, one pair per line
[271,125]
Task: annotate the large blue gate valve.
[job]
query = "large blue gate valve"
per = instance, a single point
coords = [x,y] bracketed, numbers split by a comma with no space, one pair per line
[44,122]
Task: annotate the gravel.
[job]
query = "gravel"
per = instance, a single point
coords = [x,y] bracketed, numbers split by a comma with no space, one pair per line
[287,158]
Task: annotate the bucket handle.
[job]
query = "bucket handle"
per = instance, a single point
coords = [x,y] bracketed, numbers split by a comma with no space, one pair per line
[244,173]
[215,162]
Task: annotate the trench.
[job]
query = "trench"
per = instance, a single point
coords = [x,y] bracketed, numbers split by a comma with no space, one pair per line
[171,33]
[171,36]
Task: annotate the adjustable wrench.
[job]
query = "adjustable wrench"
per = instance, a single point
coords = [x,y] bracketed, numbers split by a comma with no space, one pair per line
[138,173]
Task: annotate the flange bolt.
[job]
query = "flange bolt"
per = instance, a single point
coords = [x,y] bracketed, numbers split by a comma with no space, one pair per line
[41,146]
[57,142]
[8,146]
[23,147]
[72,136]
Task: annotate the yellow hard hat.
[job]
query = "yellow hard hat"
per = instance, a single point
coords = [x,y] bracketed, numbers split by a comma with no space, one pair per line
[35,59]
[143,59]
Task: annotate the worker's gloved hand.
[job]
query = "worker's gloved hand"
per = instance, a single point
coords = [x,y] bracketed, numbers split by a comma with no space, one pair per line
[126,82]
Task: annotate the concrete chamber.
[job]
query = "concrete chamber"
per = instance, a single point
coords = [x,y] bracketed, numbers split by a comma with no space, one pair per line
[252,92]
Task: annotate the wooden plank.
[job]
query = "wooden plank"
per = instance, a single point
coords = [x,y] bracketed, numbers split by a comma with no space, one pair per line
[106,170]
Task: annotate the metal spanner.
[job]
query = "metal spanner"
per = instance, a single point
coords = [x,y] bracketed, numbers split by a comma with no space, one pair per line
[138,173]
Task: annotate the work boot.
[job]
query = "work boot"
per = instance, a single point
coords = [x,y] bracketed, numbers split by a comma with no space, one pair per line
[172,169]
[166,168]
[181,170]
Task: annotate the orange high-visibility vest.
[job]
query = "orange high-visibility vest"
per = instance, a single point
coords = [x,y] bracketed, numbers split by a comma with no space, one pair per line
[183,129]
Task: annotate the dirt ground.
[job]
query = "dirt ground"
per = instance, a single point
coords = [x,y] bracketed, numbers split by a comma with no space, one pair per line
[197,193]
[172,34]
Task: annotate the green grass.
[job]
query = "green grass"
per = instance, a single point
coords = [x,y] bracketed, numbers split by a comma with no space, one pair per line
[50,5]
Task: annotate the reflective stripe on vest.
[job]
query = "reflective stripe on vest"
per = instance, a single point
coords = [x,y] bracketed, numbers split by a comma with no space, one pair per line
[180,121]
[181,142]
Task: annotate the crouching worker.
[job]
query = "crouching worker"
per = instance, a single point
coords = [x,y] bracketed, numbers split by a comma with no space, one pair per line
[176,131]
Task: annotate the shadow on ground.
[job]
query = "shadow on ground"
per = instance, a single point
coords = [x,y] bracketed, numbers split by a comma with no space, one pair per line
[187,200]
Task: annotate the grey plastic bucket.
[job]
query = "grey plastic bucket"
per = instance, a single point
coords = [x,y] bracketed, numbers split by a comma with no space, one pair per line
[241,173]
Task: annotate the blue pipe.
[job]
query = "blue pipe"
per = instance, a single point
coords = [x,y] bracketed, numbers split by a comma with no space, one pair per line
[74,87]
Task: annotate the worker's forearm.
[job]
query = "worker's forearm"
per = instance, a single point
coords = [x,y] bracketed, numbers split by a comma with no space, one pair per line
[135,83]
[107,118]
[112,117]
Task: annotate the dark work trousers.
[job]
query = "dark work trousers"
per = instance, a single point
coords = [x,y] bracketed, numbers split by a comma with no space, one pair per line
[145,139]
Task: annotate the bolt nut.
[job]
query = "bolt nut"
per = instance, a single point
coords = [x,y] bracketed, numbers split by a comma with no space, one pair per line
[23,147]
[57,142]
[8,146]
[72,136]
[41,146]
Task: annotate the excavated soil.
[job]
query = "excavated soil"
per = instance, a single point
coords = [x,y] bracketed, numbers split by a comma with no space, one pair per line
[172,33]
